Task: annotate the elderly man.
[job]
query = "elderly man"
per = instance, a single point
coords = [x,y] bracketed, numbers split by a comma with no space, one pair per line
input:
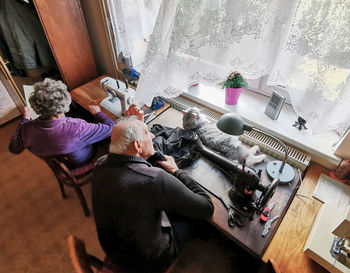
[131,201]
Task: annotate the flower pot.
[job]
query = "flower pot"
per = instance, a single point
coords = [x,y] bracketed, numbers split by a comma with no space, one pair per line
[232,95]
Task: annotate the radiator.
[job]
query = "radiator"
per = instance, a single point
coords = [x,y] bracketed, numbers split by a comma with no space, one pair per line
[267,145]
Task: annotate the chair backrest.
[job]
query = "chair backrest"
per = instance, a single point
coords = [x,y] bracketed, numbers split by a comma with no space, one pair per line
[81,260]
[75,178]
[59,168]
[58,165]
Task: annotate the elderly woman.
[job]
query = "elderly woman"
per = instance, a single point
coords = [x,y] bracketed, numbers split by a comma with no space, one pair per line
[55,134]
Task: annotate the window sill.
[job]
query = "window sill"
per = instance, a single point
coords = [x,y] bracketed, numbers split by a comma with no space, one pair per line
[251,107]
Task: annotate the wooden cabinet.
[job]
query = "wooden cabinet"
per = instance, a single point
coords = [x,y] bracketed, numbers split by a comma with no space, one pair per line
[66,32]
[65,29]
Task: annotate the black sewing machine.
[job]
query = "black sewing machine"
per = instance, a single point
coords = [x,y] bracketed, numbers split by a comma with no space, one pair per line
[245,182]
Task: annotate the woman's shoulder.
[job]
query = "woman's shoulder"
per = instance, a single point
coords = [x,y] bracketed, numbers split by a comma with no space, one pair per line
[76,121]
[70,119]
[26,123]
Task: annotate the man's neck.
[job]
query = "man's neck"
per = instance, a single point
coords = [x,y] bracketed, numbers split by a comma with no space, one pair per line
[133,153]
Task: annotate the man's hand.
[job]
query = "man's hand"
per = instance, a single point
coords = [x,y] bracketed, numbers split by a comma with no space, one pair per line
[169,164]
[27,112]
[133,111]
[93,109]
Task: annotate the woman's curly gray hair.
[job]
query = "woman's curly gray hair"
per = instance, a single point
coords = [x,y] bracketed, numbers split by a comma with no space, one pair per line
[50,98]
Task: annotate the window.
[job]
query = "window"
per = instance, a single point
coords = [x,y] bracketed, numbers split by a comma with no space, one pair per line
[302,46]
[261,87]
[130,23]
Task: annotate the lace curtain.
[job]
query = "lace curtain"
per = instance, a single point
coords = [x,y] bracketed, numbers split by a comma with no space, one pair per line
[132,20]
[301,44]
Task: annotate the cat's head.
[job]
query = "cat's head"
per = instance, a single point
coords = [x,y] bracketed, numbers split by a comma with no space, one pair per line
[192,119]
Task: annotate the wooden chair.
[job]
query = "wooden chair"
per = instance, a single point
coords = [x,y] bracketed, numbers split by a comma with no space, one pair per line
[81,260]
[73,178]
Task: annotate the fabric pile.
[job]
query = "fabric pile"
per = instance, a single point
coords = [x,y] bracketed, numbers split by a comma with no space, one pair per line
[175,142]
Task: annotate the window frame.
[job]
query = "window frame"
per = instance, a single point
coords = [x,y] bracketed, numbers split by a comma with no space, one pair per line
[266,90]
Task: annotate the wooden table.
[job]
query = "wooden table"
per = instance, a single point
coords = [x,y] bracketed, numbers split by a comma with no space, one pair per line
[249,235]
[92,93]
[203,171]
[286,246]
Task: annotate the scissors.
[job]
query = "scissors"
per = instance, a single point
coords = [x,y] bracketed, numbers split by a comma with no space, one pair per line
[233,218]
[268,225]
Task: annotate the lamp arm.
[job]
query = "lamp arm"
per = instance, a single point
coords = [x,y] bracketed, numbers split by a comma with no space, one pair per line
[279,142]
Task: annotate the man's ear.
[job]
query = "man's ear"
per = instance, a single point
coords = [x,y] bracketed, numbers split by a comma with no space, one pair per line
[138,146]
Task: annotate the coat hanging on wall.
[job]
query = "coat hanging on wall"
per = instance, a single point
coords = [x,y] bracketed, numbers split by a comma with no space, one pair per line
[22,38]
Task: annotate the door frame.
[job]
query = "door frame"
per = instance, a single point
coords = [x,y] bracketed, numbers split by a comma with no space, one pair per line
[10,85]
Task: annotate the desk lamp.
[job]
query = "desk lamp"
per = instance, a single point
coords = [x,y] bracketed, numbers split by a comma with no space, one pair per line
[233,124]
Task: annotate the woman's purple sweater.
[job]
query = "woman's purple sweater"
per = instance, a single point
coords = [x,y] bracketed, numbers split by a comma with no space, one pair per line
[69,136]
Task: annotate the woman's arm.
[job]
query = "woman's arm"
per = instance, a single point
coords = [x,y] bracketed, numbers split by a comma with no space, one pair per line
[16,144]
[93,132]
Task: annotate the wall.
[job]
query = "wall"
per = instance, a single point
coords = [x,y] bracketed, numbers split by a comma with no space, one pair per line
[98,37]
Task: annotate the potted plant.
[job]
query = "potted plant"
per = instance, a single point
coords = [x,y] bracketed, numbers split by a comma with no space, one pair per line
[234,84]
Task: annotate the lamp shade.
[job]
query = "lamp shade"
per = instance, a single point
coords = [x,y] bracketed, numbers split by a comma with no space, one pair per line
[232,124]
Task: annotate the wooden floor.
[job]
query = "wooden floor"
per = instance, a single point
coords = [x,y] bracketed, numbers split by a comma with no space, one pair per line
[286,247]
[36,221]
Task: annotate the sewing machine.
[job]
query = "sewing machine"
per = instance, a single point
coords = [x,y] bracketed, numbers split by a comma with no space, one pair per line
[341,244]
[246,182]
[119,98]
[329,240]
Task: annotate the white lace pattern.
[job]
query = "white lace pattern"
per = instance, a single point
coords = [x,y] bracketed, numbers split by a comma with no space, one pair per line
[301,44]
[132,20]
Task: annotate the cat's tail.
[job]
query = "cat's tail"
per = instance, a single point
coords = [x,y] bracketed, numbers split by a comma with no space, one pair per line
[249,155]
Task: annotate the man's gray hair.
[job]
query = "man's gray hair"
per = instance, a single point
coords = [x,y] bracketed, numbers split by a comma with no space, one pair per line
[50,98]
[127,136]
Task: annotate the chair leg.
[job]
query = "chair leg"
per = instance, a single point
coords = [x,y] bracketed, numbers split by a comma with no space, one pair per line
[82,201]
[64,196]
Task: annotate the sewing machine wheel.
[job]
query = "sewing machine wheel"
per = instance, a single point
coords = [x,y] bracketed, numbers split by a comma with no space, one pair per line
[269,193]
